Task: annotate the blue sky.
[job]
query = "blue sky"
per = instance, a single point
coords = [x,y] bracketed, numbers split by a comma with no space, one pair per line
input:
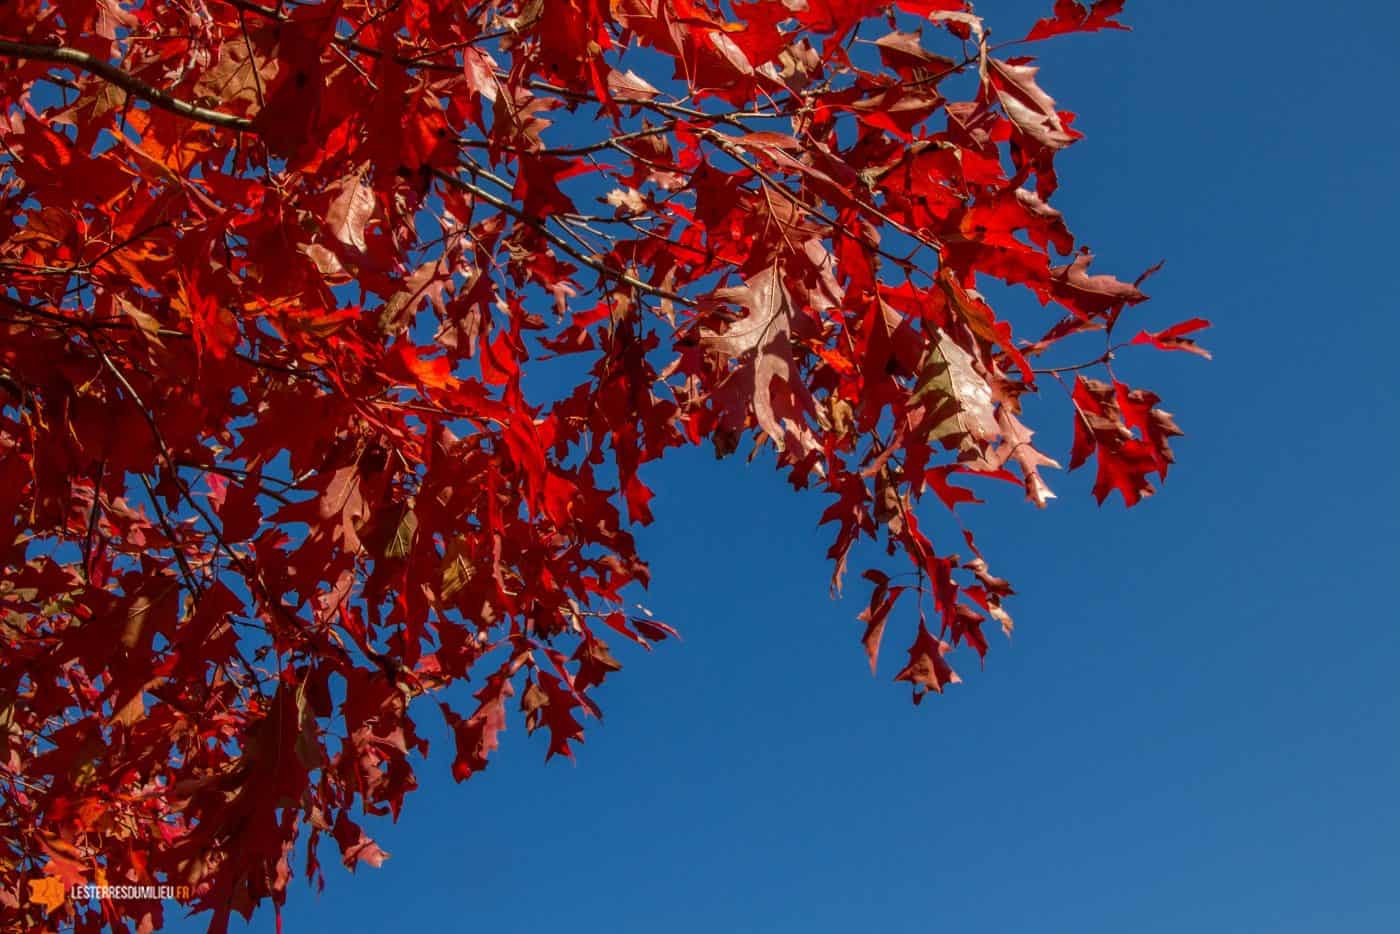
[1195,727]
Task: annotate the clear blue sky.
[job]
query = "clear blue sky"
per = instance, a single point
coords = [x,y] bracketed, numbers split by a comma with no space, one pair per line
[1197,726]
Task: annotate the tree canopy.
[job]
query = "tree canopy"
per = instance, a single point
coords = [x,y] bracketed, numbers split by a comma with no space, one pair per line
[336,340]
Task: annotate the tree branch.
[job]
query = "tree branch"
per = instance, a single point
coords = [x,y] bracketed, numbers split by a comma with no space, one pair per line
[59,55]
[596,265]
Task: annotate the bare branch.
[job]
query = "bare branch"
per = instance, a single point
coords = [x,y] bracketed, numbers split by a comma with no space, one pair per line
[59,55]
[591,262]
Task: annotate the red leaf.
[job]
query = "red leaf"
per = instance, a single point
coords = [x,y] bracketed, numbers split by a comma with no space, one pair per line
[1106,417]
[1173,338]
[1072,16]
[477,736]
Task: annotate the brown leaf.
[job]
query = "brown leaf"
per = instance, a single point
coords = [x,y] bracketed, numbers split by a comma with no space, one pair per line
[927,670]
[1090,296]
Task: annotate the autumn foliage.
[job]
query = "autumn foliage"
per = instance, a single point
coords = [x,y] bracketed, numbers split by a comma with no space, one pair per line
[336,339]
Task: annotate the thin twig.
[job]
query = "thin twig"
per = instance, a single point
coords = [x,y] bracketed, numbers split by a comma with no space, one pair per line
[596,265]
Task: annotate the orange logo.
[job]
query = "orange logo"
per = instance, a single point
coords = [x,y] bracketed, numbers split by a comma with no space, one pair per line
[47,891]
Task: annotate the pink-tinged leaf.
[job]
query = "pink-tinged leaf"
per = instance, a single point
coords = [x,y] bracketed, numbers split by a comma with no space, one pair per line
[1028,106]
[630,87]
[350,211]
[1016,445]
[355,846]
[763,338]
